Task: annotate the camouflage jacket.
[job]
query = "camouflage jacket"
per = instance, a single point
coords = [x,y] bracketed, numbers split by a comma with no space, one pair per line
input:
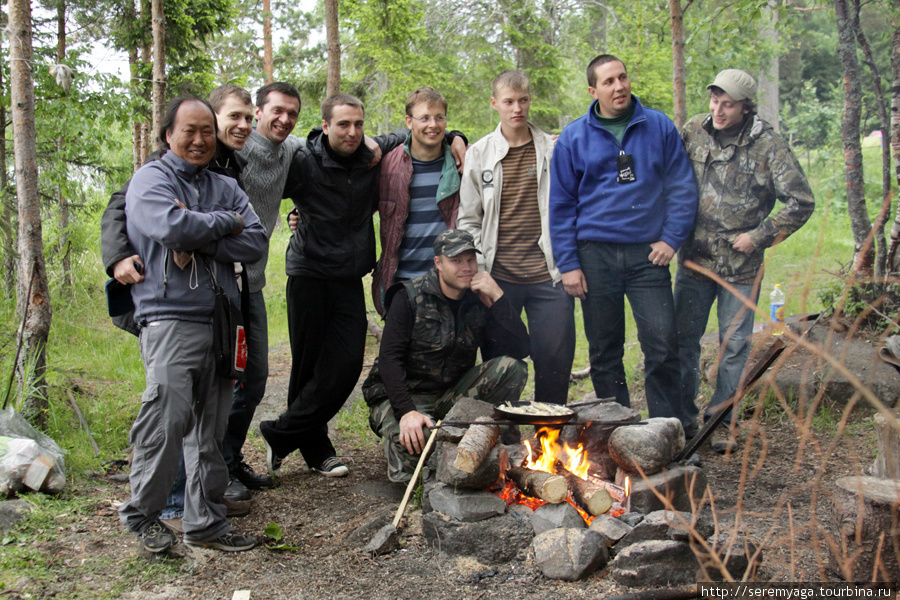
[738,186]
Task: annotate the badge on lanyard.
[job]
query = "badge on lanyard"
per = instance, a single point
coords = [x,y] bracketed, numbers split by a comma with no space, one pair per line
[625,165]
[487,178]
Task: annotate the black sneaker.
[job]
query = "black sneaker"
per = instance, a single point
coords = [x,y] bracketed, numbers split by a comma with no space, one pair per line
[332,467]
[232,541]
[236,491]
[273,461]
[253,480]
[157,538]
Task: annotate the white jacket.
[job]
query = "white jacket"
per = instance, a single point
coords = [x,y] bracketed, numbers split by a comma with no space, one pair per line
[479,194]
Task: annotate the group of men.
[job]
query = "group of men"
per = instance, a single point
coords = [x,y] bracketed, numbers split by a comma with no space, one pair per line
[532,223]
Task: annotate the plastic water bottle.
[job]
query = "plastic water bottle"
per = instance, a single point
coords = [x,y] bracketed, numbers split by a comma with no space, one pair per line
[776,310]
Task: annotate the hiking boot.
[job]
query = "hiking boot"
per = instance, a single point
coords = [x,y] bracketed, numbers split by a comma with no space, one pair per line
[724,440]
[250,478]
[232,541]
[236,509]
[332,467]
[157,538]
[174,524]
[691,431]
[273,460]
[236,491]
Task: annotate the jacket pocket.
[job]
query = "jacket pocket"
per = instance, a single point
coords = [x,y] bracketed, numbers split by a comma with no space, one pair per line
[147,430]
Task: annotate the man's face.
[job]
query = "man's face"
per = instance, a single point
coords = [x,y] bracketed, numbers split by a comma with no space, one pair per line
[612,89]
[456,272]
[345,130]
[726,111]
[235,120]
[427,124]
[193,136]
[512,106]
[275,120]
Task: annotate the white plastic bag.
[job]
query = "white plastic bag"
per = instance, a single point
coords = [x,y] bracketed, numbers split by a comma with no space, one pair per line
[28,458]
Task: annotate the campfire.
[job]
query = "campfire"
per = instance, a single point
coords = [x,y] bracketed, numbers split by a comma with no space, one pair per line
[555,472]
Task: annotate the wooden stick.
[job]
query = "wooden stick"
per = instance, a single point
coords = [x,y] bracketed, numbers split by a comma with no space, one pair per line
[415,476]
[539,484]
[84,424]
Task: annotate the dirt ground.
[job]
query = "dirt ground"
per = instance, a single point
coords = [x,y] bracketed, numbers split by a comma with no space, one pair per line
[772,502]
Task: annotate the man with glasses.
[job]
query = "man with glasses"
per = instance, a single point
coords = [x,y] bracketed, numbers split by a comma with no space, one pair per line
[419,194]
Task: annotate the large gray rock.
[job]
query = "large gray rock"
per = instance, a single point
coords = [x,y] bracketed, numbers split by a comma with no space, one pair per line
[668,525]
[553,516]
[466,505]
[484,476]
[678,483]
[738,555]
[492,541]
[595,436]
[569,554]
[649,447]
[655,563]
[610,528]
[11,512]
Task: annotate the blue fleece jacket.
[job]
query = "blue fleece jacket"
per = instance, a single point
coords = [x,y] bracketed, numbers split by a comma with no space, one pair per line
[157,225]
[588,204]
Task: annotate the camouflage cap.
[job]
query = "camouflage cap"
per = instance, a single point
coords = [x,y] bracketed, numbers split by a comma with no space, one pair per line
[454,242]
[736,83]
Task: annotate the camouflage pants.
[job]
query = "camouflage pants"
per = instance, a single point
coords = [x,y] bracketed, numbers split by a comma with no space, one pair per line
[496,381]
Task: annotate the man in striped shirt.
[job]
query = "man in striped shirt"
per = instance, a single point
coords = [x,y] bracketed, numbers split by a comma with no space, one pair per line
[504,199]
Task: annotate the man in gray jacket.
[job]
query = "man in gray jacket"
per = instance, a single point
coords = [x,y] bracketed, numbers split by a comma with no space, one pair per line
[190,226]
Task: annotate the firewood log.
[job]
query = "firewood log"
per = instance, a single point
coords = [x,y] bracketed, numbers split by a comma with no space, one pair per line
[476,444]
[591,498]
[539,484]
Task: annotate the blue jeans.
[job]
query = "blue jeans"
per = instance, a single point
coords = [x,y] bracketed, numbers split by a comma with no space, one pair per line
[693,301]
[249,392]
[612,272]
[551,327]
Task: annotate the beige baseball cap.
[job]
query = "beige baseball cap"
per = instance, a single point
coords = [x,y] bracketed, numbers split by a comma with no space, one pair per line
[736,83]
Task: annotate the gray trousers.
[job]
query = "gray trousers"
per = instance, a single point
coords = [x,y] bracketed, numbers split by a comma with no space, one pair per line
[184,409]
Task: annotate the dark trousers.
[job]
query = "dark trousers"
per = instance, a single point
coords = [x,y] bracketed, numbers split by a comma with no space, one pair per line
[327,329]
[612,272]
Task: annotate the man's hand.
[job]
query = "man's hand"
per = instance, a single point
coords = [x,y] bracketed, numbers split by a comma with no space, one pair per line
[293,220]
[376,150]
[575,284]
[458,150]
[744,244]
[411,435]
[487,289]
[125,272]
[661,253]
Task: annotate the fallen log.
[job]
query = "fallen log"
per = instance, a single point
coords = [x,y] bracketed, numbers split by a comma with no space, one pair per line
[475,445]
[539,484]
[591,498]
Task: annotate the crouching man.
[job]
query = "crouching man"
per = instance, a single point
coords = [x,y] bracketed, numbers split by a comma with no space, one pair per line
[435,325]
[190,226]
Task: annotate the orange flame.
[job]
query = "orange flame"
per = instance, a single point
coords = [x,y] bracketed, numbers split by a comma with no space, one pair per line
[574,459]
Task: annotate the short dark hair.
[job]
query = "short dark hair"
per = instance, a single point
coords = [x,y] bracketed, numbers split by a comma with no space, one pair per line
[262,95]
[514,80]
[426,94]
[339,100]
[168,122]
[601,59]
[218,96]
[749,103]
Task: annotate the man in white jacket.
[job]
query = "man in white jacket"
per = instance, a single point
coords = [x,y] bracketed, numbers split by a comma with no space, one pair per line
[504,197]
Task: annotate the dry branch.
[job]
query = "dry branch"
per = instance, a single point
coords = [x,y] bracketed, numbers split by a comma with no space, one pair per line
[476,444]
[539,484]
[593,499]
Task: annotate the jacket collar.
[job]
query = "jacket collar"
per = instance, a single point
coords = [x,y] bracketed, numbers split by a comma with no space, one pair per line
[316,142]
[635,118]
[750,132]
[450,179]
[540,142]
[181,167]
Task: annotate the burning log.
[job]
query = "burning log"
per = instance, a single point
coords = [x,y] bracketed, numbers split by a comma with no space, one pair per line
[476,445]
[590,497]
[546,486]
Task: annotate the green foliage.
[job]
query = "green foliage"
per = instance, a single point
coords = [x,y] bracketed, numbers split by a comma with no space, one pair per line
[276,532]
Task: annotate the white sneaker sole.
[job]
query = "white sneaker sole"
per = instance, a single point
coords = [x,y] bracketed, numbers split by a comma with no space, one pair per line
[341,471]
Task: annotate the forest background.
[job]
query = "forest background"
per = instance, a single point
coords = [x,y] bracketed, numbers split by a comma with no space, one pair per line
[90,135]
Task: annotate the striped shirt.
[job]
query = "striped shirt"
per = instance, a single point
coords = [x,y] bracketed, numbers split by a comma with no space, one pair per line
[519,259]
[424,223]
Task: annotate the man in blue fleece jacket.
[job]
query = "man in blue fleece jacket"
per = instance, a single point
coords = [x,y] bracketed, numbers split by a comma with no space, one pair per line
[622,200]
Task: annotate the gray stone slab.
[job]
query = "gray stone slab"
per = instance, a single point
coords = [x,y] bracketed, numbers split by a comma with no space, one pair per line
[11,512]
[677,483]
[649,447]
[610,528]
[466,505]
[569,554]
[738,554]
[492,541]
[553,516]
[655,563]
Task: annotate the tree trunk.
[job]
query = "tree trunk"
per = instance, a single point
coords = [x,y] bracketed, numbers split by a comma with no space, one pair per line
[679,93]
[887,462]
[147,134]
[63,245]
[333,37]
[895,130]
[32,274]
[137,154]
[268,64]
[885,213]
[159,62]
[7,212]
[861,226]
[769,73]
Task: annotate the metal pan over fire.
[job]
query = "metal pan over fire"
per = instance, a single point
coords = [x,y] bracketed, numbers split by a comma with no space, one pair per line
[513,412]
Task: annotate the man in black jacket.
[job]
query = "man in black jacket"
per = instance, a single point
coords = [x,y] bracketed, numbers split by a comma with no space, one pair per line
[435,326]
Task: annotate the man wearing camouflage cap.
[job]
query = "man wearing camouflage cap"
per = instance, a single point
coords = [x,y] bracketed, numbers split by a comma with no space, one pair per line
[435,325]
[742,166]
